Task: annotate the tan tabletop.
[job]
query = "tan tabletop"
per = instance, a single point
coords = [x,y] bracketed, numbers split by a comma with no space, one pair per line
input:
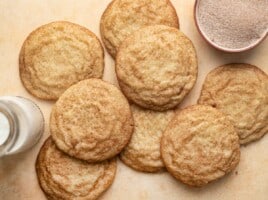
[17,173]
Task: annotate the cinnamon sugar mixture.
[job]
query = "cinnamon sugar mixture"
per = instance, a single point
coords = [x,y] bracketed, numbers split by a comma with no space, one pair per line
[233,24]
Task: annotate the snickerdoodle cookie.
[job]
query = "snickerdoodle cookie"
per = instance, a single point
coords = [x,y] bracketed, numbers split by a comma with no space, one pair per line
[156,67]
[122,17]
[58,55]
[63,177]
[200,145]
[143,151]
[91,121]
[241,92]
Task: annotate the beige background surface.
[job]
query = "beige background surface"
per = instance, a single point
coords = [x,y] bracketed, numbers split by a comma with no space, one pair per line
[17,174]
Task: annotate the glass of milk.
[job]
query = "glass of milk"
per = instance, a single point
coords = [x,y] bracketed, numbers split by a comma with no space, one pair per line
[21,124]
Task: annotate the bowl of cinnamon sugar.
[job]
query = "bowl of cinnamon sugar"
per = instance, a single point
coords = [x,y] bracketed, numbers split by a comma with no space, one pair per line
[232,25]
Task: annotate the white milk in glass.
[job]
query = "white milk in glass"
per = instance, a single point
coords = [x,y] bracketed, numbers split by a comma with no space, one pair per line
[21,124]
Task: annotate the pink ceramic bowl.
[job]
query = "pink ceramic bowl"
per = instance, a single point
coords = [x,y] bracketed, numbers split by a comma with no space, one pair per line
[217,46]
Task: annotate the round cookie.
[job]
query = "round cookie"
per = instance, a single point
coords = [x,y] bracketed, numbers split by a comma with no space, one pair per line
[58,55]
[200,145]
[143,151]
[156,67]
[64,177]
[122,17]
[241,92]
[91,121]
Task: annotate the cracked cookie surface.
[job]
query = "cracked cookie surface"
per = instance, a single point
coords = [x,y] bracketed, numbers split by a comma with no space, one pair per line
[200,145]
[156,67]
[91,121]
[63,177]
[143,151]
[58,55]
[241,92]
[122,17]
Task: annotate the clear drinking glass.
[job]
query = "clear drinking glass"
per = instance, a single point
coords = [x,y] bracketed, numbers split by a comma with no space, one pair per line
[21,124]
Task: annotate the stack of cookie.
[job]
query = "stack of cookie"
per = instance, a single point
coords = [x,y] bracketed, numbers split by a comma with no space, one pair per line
[156,66]
[91,121]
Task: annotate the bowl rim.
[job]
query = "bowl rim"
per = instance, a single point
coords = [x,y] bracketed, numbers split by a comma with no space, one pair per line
[213,44]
